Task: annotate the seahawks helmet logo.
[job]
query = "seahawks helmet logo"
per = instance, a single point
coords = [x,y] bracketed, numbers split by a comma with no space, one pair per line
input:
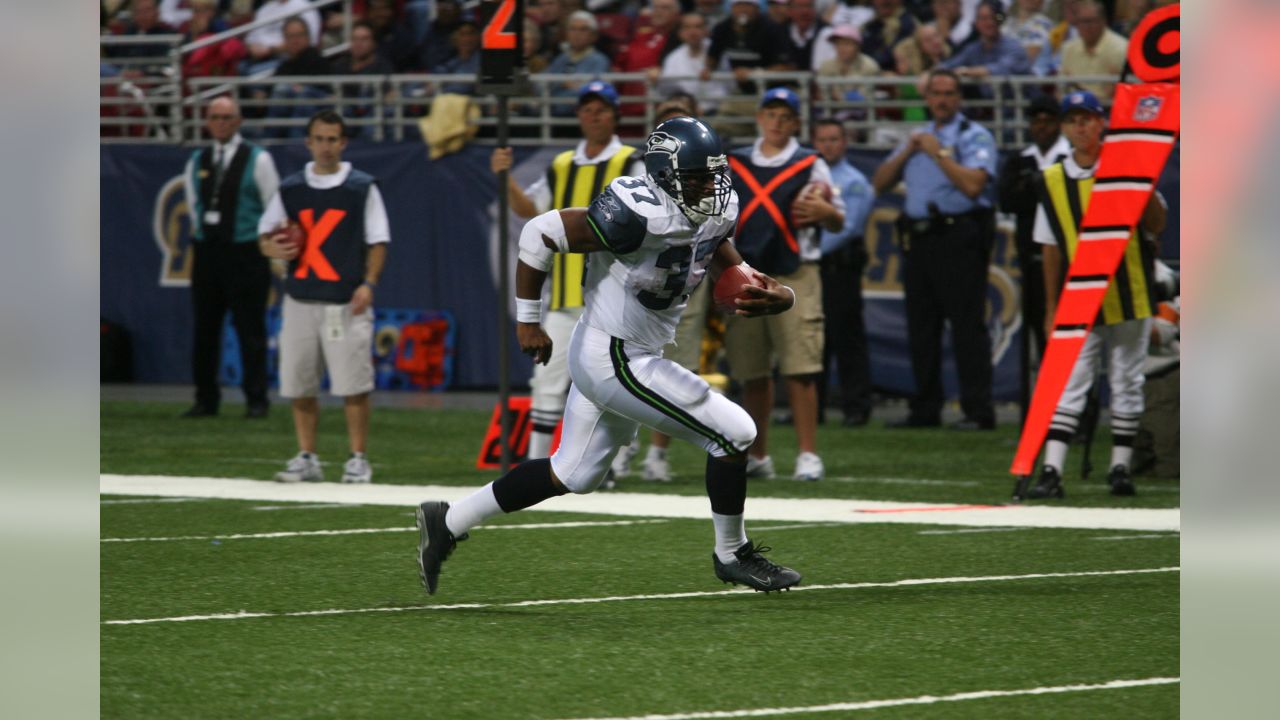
[662,142]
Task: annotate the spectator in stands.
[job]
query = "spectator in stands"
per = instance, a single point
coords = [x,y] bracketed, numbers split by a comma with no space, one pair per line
[212,60]
[949,18]
[437,46]
[580,57]
[890,25]
[654,39]
[1098,51]
[688,61]
[362,59]
[144,20]
[1129,14]
[787,246]
[227,187]
[395,37]
[1029,26]
[713,10]
[177,13]
[748,41]
[921,52]
[807,35]
[776,10]
[301,59]
[554,19]
[466,58]
[850,12]
[267,43]
[844,258]
[1047,63]
[535,61]
[849,62]
[993,55]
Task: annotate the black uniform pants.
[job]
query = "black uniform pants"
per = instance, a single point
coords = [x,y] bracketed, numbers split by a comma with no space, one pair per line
[235,277]
[944,277]
[845,330]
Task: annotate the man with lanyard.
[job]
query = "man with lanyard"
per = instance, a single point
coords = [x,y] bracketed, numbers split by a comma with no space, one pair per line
[328,306]
[1124,323]
[946,232]
[227,186]
[1017,187]
[574,178]
[777,234]
[844,258]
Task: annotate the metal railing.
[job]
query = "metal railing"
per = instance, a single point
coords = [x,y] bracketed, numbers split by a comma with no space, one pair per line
[390,107]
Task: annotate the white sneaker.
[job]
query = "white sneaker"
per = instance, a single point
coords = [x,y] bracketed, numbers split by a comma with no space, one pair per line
[760,467]
[656,468]
[357,470]
[808,467]
[303,467]
[622,461]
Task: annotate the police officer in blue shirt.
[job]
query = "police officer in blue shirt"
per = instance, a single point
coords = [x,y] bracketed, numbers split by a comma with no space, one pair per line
[844,258]
[946,231]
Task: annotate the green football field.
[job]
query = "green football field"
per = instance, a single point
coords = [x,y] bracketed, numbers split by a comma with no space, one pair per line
[239,607]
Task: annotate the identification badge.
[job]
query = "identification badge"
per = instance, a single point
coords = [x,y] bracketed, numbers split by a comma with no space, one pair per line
[212,217]
[334,327]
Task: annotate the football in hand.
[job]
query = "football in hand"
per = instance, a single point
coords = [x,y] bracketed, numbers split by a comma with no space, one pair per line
[292,235]
[732,285]
[817,188]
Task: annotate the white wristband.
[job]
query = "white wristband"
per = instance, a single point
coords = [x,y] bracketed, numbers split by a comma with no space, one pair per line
[528,311]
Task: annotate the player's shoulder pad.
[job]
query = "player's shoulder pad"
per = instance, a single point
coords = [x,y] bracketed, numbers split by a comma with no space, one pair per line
[616,225]
[360,179]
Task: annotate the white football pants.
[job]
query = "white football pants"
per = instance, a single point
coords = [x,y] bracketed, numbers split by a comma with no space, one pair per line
[1126,347]
[616,388]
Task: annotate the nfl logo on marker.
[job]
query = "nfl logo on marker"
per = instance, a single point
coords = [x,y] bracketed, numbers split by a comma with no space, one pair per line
[1148,108]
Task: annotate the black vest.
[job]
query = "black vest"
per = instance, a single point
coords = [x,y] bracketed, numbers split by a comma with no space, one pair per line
[759,239]
[332,263]
[228,194]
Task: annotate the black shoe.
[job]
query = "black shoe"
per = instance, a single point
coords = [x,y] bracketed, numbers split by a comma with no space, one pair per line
[256,411]
[1121,484]
[200,410]
[1049,486]
[435,543]
[754,571]
[971,425]
[912,421]
[855,419]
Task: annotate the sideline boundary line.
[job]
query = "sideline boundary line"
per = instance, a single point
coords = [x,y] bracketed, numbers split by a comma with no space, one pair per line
[898,702]
[244,615]
[370,531]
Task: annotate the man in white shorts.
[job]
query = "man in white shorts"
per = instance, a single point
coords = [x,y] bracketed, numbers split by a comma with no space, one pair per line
[328,306]
[650,241]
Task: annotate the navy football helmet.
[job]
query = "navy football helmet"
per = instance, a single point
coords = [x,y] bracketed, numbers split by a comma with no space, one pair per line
[684,158]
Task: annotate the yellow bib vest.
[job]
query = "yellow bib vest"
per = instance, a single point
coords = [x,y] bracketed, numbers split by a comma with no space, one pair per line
[1129,293]
[576,186]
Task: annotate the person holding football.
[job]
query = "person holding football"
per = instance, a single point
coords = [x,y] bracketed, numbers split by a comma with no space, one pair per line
[649,242]
[786,198]
[330,223]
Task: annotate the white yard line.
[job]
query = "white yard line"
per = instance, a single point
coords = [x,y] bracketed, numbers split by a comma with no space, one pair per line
[897,702]
[144,501]
[798,526]
[970,530]
[623,598]
[1135,537]
[669,506]
[903,481]
[300,506]
[369,531]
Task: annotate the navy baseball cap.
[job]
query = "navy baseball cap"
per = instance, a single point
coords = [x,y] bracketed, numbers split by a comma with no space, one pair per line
[600,89]
[781,95]
[1082,100]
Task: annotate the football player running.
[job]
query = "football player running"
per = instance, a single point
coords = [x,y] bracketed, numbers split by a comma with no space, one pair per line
[651,240]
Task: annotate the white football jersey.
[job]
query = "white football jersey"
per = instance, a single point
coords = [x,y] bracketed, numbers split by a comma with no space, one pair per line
[637,290]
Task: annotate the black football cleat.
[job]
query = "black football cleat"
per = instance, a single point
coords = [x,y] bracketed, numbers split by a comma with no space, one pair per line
[435,543]
[1049,485]
[754,571]
[1120,482]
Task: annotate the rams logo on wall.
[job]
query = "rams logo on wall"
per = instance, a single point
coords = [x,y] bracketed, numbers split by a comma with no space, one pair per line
[171,228]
